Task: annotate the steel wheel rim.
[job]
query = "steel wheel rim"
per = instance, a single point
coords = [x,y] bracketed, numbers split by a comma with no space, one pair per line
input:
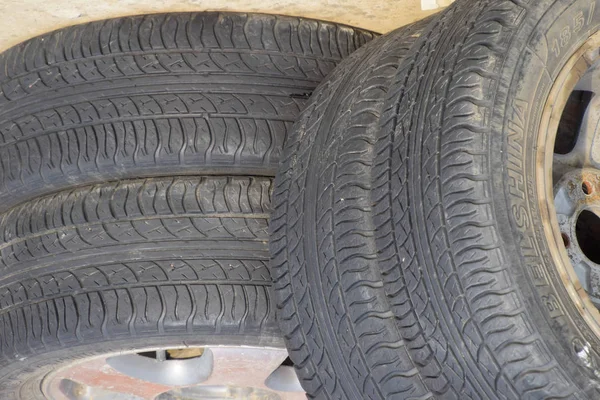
[177,373]
[552,179]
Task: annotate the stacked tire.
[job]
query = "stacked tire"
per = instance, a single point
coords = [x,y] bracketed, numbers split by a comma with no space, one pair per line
[136,165]
[416,250]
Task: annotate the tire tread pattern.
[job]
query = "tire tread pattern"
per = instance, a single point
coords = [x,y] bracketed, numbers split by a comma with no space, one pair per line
[158,95]
[76,276]
[332,309]
[465,325]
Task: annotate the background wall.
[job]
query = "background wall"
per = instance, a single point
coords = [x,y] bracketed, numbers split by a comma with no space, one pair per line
[23,19]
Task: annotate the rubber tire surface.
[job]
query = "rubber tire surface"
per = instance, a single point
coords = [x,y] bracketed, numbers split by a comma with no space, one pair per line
[119,266]
[159,95]
[332,309]
[485,313]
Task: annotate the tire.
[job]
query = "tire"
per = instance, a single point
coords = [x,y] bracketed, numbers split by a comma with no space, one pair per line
[159,95]
[483,308]
[132,264]
[333,310]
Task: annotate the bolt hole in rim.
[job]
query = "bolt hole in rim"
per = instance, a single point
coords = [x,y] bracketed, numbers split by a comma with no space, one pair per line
[178,374]
[587,188]
[568,177]
[566,240]
[587,232]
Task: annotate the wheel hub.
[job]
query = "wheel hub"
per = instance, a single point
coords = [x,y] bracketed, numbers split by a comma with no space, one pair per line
[577,202]
[576,179]
[178,374]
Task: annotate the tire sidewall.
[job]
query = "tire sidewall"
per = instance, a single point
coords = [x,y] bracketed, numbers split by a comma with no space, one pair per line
[533,63]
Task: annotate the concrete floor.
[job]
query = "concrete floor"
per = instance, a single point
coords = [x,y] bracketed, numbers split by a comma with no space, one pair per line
[24,19]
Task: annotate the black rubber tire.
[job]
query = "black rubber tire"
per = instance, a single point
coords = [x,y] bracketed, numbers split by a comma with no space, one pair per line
[120,266]
[483,309]
[333,311]
[159,95]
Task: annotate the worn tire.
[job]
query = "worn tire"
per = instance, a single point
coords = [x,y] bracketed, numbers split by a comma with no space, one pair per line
[333,311]
[159,95]
[127,265]
[483,308]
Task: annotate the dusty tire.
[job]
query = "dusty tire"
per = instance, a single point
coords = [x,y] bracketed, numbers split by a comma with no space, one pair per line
[485,310]
[158,95]
[128,265]
[333,311]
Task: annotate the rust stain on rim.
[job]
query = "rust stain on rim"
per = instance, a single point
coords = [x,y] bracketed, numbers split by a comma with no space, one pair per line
[575,68]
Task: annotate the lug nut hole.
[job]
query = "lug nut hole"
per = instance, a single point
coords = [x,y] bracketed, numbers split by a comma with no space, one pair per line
[587,188]
[566,240]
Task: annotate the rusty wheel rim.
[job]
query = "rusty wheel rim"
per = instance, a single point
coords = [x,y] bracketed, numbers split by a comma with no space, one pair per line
[568,179]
